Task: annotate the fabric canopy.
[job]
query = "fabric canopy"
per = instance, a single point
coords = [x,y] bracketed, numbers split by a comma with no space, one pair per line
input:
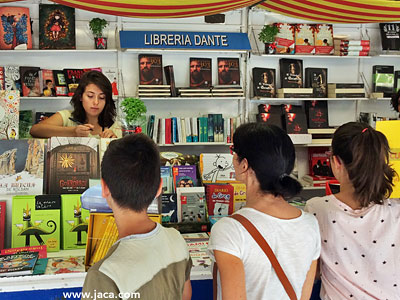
[337,11]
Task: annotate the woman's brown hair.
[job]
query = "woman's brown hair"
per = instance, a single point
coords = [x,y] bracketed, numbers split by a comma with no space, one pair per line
[365,154]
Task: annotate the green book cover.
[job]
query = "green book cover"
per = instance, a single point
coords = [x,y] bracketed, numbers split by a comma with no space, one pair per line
[36,221]
[74,222]
[25,123]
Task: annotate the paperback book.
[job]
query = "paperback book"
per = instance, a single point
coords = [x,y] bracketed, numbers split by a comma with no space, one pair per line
[62,265]
[192,206]
[285,38]
[217,168]
[150,69]
[264,83]
[30,81]
[304,36]
[60,83]
[200,72]
[291,72]
[323,39]
[219,199]
[12,79]
[72,78]
[169,208]
[317,114]
[228,71]
[48,85]
[18,264]
[317,79]
[184,176]
[15,29]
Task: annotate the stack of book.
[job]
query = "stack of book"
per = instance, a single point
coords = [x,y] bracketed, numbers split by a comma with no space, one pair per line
[195,92]
[346,90]
[151,91]
[321,135]
[351,47]
[227,91]
[295,93]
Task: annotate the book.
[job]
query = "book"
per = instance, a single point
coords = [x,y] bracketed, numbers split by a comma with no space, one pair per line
[304,37]
[169,208]
[317,114]
[197,244]
[18,264]
[284,39]
[239,196]
[319,163]
[192,206]
[270,119]
[346,90]
[200,72]
[317,79]
[25,123]
[291,73]
[217,168]
[47,83]
[22,170]
[60,83]
[168,182]
[2,222]
[295,123]
[170,79]
[351,53]
[2,79]
[72,78]
[269,108]
[390,36]
[340,42]
[289,108]
[40,266]
[62,265]
[396,81]
[112,75]
[264,82]
[383,79]
[36,221]
[56,27]
[345,85]
[42,250]
[228,71]
[12,79]
[219,199]
[184,176]
[150,69]
[15,29]
[30,81]
[72,161]
[350,48]
[323,39]
[346,95]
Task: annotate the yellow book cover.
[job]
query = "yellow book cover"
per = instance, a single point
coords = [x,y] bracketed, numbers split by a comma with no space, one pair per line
[239,196]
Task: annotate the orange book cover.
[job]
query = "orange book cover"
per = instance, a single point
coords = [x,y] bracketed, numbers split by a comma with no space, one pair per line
[15,27]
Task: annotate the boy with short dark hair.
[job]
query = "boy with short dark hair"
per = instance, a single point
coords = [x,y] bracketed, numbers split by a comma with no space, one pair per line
[148,259]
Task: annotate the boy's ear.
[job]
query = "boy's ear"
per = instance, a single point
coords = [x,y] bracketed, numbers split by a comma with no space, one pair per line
[105,191]
[159,188]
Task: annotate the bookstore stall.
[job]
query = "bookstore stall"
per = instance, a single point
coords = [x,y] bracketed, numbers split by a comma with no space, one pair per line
[187,90]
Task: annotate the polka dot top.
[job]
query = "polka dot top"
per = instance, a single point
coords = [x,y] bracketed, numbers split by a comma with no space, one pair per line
[360,255]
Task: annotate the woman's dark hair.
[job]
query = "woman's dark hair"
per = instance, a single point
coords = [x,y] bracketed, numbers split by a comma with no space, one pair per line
[395,101]
[270,153]
[107,116]
[365,154]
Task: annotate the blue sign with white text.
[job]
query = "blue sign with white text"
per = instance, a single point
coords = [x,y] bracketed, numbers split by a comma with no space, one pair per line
[184,40]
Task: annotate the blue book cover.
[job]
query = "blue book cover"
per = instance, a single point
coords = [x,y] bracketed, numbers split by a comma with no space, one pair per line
[175,138]
[166,175]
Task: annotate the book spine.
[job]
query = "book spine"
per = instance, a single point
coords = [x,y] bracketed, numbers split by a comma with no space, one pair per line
[168,131]
[188,130]
[179,130]
[353,48]
[351,53]
[346,86]
[352,42]
[195,135]
[346,95]
[183,126]
[174,130]
[295,95]
[2,80]
[210,129]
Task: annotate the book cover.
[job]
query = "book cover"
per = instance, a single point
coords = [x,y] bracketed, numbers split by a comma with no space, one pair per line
[390,36]
[200,72]
[239,196]
[270,119]
[2,79]
[317,79]
[291,72]
[170,79]
[112,75]
[396,81]
[264,83]
[18,264]
[219,199]
[269,108]
[383,79]
[228,71]
[304,36]
[168,183]
[289,108]
[22,169]
[191,204]
[319,163]
[25,123]
[296,123]
[217,168]
[2,223]
[48,83]
[56,27]
[285,38]
[169,208]
[184,176]
[12,79]
[62,265]
[323,38]
[40,266]
[317,114]
[30,81]
[345,86]
[72,78]
[74,220]
[42,250]
[197,246]
[15,29]
[150,69]
[72,161]
[60,83]
[36,221]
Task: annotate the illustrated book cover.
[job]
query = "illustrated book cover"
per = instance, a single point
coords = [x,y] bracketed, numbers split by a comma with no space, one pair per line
[150,69]
[228,71]
[30,81]
[191,204]
[184,176]
[295,122]
[25,124]
[390,36]
[15,29]
[62,265]
[112,75]
[56,27]
[291,73]
[60,84]
[216,168]
[304,36]
[18,264]
[383,79]
[72,78]
[21,172]
[219,199]
[317,114]
[264,82]
[42,250]
[200,72]
[9,114]
[12,79]
[317,79]
[323,39]
[197,245]
[169,208]
[48,88]
[285,38]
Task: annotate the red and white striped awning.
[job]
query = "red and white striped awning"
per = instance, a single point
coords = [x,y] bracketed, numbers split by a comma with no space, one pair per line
[337,11]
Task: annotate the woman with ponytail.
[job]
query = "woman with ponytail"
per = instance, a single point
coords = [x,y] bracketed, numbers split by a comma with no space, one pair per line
[360,226]
[263,158]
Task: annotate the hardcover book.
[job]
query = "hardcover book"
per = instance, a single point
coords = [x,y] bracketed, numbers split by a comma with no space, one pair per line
[217,168]
[72,161]
[200,72]
[317,79]
[291,72]
[285,38]
[192,206]
[269,108]
[15,29]
[36,221]
[22,169]
[390,36]
[323,39]
[18,264]
[320,163]
[72,78]
[270,119]
[2,223]
[9,115]
[228,71]
[296,123]
[60,83]
[383,79]
[169,208]
[42,250]
[317,114]
[264,83]
[150,69]
[30,81]
[48,84]
[304,36]
[219,199]
[56,27]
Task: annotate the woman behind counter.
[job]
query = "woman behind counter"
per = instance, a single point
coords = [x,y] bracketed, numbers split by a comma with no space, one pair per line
[94,112]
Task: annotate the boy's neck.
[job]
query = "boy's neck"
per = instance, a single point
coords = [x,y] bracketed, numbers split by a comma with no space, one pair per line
[130,222]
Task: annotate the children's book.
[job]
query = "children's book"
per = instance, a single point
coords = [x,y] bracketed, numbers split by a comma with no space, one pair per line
[30,81]
[40,267]
[169,208]
[72,78]
[56,27]
[48,88]
[184,176]
[191,204]
[2,222]
[219,199]
[25,123]
[42,250]
[239,196]
[60,83]
[197,244]
[216,168]
[9,114]
[18,264]
[166,175]
[12,78]
[15,29]
[62,265]
[284,40]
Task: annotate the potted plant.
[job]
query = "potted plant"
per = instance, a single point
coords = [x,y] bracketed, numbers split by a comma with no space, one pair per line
[267,36]
[97,27]
[133,110]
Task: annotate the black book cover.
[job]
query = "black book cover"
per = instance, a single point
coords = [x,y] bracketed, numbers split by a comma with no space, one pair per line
[30,81]
[72,77]
[169,208]
[269,108]
[383,79]
[289,108]
[60,83]
[200,72]
[317,114]
[390,36]
[346,85]
[291,72]
[296,123]
[270,118]
[228,71]
[170,78]
[317,78]
[396,81]
[150,69]
[264,83]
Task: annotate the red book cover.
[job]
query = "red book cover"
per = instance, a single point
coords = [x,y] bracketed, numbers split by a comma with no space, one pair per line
[2,222]
[285,38]
[42,250]
[304,37]
[168,132]
[15,27]
[320,166]
[72,77]
[323,38]
[48,89]
[219,199]
[2,79]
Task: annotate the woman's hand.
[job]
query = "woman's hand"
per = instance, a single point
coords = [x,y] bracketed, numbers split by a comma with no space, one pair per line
[108,133]
[83,130]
